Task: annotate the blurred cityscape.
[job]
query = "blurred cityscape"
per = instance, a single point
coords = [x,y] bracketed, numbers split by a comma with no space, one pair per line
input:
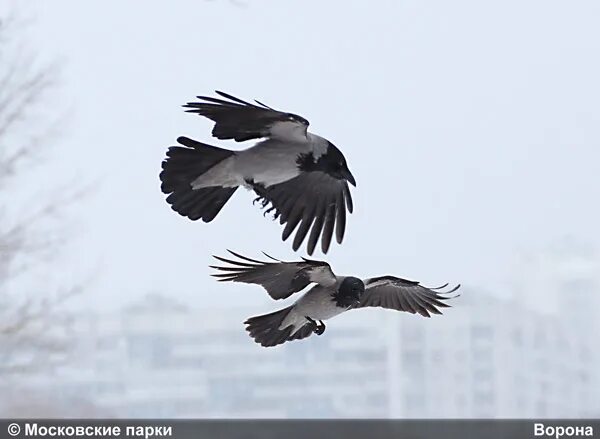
[486,357]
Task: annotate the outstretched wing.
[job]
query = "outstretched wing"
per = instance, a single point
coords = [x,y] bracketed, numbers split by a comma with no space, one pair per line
[404,295]
[312,201]
[240,120]
[280,279]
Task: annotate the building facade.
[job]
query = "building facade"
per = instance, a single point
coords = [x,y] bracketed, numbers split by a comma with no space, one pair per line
[484,358]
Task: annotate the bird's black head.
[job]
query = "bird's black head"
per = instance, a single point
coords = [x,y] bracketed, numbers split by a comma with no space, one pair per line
[336,164]
[331,162]
[349,292]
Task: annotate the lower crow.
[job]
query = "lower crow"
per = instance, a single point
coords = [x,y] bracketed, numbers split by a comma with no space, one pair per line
[332,295]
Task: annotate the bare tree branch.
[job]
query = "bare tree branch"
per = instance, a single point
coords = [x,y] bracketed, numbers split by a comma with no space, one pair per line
[34,325]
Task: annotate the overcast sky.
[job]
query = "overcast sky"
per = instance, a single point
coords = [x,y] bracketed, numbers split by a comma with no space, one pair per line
[472,128]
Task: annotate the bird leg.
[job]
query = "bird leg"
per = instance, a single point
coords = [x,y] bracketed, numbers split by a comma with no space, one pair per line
[317,328]
[311,321]
[262,199]
[320,329]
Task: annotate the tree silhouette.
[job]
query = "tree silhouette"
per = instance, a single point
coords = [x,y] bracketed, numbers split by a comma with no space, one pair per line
[32,323]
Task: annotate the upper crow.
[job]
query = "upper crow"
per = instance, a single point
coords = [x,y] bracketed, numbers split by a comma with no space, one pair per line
[303,176]
[332,295]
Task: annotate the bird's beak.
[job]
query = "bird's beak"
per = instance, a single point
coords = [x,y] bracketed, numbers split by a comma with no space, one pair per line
[349,177]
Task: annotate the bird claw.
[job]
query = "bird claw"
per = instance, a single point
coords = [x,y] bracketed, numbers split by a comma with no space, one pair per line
[317,328]
[269,210]
[261,200]
[320,329]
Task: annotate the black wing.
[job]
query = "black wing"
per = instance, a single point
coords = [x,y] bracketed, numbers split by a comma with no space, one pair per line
[280,279]
[240,120]
[316,201]
[404,295]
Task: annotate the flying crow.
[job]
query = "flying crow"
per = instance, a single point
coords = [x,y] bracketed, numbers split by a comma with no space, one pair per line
[303,177]
[332,295]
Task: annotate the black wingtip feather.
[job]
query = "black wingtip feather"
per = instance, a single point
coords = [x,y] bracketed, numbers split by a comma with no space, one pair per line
[237,255]
[271,257]
[233,98]
[234,263]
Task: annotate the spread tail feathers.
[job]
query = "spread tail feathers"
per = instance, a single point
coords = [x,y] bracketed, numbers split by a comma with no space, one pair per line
[182,166]
[265,329]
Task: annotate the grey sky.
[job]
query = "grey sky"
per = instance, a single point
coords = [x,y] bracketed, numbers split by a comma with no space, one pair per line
[472,129]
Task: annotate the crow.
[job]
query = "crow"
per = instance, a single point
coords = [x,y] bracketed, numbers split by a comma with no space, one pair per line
[332,295]
[301,177]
